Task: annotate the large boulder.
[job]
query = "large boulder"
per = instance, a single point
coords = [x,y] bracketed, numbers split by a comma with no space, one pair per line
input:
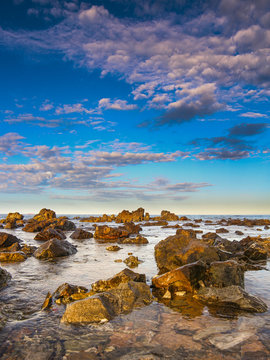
[233,297]
[104,306]
[45,214]
[123,276]
[249,241]
[50,233]
[127,216]
[63,224]
[55,248]
[4,278]
[80,234]
[225,273]
[166,251]
[197,250]
[7,240]
[110,234]
[168,216]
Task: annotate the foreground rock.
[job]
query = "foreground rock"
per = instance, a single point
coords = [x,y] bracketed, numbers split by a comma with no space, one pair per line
[50,233]
[122,277]
[233,297]
[80,234]
[55,248]
[7,240]
[104,306]
[110,234]
[224,273]
[16,256]
[4,278]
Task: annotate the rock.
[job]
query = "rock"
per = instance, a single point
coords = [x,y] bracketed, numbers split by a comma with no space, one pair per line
[190,224]
[95,219]
[50,233]
[12,248]
[63,224]
[7,240]
[28,249]
[225,273]
[210,238]
[45,214]
[67,293]
[233,297]
[12,256]
[132,228]
[4,278]
[123,276]
[36,226]
[47,302]
[255,252]
[248,241]
[134,240]
[183,218]
[168,216]
[10,225]
[104,306]
[14,217]
[81,234]
[237,232]
[113,248]
[166,251]
[156,223]
[54,248]
[127,216]
[222,231]
[110,234]
[185,278]
[132,261]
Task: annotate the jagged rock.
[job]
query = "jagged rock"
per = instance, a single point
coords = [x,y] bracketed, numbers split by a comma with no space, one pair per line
[248,241]
[81,234]
[222,231]
[225,273]
[233,297]
[132,261]
[28,249]
[183,218]
[14,217]
[67,293]
[7,240]
[139,239]
[47,302]
[255,252]
[55,248]
[50,233]
[104,306]
[11,225]
[197,250]
[63,224]
[45,214]
[123,276]
[36,226]
[166,251]
[185,278]
[132,228]
[127,216]
[12,256]
[110,234]
[113,248]
[4,278]
[168,216]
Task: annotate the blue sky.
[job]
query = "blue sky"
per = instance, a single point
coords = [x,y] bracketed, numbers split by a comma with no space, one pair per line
[117,104]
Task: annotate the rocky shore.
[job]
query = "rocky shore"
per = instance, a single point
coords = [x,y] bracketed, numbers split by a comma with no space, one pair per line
[197,271]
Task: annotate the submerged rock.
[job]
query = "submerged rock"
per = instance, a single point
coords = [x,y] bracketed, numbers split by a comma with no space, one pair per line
[113,248]
[132,261]
[55,248]
[50,233]
[104,306]
[4,278]
[123,276]
[233,297]
[80,234]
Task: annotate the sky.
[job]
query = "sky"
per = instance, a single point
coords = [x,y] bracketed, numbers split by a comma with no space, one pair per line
[117,104]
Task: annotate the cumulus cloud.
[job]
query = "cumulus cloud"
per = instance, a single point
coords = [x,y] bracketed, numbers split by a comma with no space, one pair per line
[10,143]
[107,104]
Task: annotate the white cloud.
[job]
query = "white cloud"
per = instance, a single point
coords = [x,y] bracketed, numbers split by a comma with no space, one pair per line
[107,103]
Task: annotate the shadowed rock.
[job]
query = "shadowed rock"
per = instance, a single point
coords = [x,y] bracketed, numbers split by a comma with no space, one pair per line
[7,240]
[110,234]
[55,248]
[50,233]
[80,234]
[225,273]
[4,278]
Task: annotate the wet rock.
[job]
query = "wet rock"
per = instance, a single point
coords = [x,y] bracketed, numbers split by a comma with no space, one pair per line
[183,218]
[10,225]
[134,240]
[54,248]
[168,216]
[36,226]
[132,261]
[190,224]
[113,248]
[81,234]
[45,214]
[255,252]
[47,302]
[12,248]
[50,233]
[127,216]
[210,238]
[123,276]
[12,256]
[110,234]
[132,228]
[28,249]
[156,223]
[248,241]
[238,232]
[104,306]
[233,297]
[4,278]
[7,240]
[167,251]
[95,219]
[222,231]
[14,217]
[63,224]
[225,273]
[67,293]
[185,278]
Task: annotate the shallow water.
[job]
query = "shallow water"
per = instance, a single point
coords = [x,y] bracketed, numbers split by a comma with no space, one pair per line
[185,331]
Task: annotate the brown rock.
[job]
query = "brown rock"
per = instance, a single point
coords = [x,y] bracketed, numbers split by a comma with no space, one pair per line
[237,232]
[50,233]
[127,216]
[156,223]
[197,250]
[7,240]
[12,256]
[132,228]
[139,239]
[67,293]
[28,249]
[110,234]
[222,231]
[54,248]
[168,216]
[225,273]
[47,302]
[113,248]
[123,276]
[81,234]
[132,261]
[4,278]
[45,214]
[63,224]
[14,217]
